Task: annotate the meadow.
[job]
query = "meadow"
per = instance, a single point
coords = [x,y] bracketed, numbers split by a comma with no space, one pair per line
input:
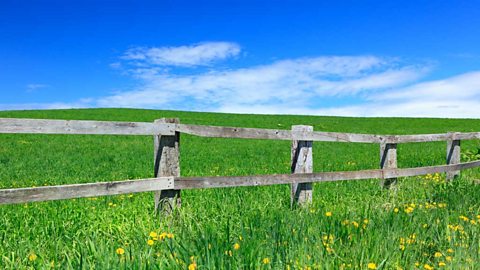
[426,223]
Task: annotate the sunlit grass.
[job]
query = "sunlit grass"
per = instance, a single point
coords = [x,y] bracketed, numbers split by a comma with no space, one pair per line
[426,223]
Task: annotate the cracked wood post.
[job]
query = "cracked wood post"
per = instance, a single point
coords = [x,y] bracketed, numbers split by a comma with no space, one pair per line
[453,155]
[388,160]
[301,162]
[167,163]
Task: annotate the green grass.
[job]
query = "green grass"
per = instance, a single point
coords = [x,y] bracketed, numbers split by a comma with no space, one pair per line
[85,233]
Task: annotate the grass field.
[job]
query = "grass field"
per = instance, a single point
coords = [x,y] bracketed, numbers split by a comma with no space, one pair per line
[426,224]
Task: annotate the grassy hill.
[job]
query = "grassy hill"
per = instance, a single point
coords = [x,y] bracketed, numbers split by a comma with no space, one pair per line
[426,223]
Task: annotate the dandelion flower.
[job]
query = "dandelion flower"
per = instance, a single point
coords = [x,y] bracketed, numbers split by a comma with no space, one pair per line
[192,266]
[153,234]
[372,266]
[437,254]
[328,214]
[427,267]
[266,260]
[236,246]
[150,242]
[442,264]
[120,251]
[169,235]
[32,257]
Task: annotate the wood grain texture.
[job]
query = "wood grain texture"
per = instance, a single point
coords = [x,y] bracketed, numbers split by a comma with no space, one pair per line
[45,126]
[260,180]
[167,163]
[23,195]
[388,160]
[42,126]
[301,162]
[48,193]
[453,155]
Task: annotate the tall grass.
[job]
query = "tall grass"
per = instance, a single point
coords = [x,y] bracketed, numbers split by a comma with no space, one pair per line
[425,223]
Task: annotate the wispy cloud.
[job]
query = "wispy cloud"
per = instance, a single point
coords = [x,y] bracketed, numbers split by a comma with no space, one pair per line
[32,87]
[303,81]
[363,85]
[193,55]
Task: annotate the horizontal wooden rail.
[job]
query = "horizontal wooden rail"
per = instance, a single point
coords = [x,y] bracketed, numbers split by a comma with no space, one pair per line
[48,193]
[261,180]
[41,126]
[275,134]
[23,195]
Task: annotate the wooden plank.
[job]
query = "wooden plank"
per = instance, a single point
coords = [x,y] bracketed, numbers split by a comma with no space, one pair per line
[388,160]
[430,169]
[48,193]
[301,162]
[432,137]
[23,195]
[43,126]
[167,163]
[453,155]
[261,180]
[275,134]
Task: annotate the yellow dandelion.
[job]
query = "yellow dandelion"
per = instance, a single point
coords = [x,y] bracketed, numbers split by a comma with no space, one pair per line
[427,267]
[236,246]
[437,254]
[442,264]
[402,247]
[120,251]
[395,210]
[153,234]
[162,236]
[32,257]
[192,266]
[372,266]
[448,258]
[266,261]
[328,214]
[355,224]
[170,235]
[150,242]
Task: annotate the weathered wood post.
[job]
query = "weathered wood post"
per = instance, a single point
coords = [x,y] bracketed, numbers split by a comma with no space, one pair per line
[388,160]
[453,154]
[301,162]
[167,163]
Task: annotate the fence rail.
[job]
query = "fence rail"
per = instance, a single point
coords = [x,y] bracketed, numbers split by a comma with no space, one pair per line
[168,182]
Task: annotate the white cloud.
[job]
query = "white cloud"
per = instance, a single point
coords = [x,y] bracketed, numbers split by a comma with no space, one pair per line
[35,86]
[193,55]
[302,81]
[329,85]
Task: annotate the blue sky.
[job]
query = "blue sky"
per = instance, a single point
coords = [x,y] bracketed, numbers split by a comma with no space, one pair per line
[353,58]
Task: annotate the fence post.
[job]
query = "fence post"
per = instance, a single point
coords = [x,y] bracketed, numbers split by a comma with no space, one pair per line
[388,160]
[167,163]
[453,155]
[301,162]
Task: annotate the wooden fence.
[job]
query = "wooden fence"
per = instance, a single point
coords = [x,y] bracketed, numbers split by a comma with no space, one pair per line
[168,183]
